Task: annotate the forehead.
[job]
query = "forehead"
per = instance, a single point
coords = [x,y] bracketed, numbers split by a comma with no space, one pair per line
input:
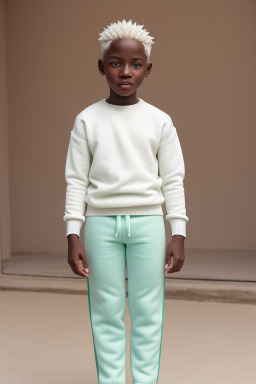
[127,47]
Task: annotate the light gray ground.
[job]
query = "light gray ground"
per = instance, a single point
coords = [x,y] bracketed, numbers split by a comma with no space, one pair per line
[46,339]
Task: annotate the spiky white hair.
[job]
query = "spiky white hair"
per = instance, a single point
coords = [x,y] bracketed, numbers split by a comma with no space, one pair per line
[122,30]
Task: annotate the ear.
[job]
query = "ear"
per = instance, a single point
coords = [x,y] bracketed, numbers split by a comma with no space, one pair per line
[101,66]
[148,70]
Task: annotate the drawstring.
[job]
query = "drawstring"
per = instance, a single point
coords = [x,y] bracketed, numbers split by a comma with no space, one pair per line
[127,223]
[118,223]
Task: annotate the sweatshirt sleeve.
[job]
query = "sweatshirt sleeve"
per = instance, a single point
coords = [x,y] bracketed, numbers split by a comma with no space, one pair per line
[77,169]
[172,171]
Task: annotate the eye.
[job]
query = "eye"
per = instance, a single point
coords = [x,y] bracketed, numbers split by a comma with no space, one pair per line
[114,62]
[139,65]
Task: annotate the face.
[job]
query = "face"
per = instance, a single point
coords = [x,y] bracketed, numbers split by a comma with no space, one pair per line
[125,62]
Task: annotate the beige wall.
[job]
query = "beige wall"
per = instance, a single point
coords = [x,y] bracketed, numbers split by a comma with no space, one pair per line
[203,75]
[4,160]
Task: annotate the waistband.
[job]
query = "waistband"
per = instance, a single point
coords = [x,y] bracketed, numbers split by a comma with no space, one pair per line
[155,209]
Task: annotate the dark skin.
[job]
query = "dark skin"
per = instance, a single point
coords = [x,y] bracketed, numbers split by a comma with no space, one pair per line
[125,60]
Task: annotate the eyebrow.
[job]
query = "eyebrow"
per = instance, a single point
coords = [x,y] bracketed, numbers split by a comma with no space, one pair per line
[119,58]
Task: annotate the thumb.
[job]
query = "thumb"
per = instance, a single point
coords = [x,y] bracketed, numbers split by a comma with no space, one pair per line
[84,262]
[167,259]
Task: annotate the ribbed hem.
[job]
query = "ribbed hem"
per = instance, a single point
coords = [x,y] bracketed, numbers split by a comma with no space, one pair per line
[178,227]
[138,210]
[73,226]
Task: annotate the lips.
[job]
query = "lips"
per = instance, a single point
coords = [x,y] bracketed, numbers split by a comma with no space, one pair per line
[125,85]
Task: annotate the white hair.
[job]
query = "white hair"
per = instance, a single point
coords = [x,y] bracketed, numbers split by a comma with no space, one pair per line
[125,29]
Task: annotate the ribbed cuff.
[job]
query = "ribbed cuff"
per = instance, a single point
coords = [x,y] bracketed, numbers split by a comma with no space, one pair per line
[73,226]
[178,227]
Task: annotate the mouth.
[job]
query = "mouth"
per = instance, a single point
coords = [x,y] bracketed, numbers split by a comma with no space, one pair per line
[125,85]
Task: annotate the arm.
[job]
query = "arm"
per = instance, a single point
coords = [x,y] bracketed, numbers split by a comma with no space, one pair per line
[172,171]
[77,168]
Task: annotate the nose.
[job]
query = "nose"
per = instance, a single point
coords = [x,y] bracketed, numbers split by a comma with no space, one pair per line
[126,70]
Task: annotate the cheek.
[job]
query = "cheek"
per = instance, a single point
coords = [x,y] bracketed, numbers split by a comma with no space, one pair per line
[111,75]
[140,77]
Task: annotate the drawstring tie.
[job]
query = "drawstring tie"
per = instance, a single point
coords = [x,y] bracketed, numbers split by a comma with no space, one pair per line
[127,224]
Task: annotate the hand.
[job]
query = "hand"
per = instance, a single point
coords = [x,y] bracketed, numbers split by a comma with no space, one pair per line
[76,252]
[175,249]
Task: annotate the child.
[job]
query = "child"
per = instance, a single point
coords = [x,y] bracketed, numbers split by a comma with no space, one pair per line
[124,160]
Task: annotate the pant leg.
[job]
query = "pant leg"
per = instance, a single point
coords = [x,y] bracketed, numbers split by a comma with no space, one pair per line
[106,297]
[145,254]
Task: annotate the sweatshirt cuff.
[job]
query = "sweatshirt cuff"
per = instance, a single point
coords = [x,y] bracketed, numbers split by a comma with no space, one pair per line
[73,226]
[178,227]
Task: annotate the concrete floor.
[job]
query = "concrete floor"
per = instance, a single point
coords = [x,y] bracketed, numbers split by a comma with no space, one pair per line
[46,339]
[199,264]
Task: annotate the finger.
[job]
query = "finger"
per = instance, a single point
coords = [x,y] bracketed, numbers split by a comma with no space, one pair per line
[73,266]
[178,265]
[167,260]
[168,265]
[181,264]
[85,271]
[78,270]
[181,261]
[174,267]
[84,262]
[86,274]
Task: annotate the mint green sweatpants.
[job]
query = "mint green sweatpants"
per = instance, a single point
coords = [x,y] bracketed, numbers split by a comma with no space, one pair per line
[111,242]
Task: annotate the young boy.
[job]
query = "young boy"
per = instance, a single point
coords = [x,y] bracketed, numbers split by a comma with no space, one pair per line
[124,160]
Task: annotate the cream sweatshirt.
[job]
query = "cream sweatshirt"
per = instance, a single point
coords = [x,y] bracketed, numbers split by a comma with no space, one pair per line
[124,160]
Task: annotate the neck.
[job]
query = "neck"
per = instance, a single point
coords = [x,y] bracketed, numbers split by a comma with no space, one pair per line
[116,99]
